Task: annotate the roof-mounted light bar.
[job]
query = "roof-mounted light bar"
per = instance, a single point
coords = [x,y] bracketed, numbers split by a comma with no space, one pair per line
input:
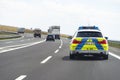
[88,27]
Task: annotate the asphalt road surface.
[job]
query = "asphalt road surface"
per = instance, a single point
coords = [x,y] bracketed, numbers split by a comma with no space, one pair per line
[31,58]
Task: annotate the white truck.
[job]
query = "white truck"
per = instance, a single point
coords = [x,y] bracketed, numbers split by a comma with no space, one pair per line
[21,30]
[55,31]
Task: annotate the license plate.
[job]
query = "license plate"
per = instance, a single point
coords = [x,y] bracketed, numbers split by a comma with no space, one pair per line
[89,43]
[90,49]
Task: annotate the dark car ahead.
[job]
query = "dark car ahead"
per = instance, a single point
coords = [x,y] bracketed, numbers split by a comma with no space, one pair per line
[50,38]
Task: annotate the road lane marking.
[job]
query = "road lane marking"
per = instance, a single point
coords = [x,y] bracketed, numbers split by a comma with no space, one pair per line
[114,55]
[59,47]
[10,42]
[56,51]
[12,46]
[28,39]
[15,47]
[21,77]
[61,44]
[45,60]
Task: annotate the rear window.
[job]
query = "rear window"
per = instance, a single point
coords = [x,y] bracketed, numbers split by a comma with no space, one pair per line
[50,36]
[89,34]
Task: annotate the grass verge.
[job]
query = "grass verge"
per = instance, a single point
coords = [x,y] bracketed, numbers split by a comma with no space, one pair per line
[10,37]
[114,44]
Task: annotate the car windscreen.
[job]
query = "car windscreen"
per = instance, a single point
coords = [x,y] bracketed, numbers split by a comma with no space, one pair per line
[89,34]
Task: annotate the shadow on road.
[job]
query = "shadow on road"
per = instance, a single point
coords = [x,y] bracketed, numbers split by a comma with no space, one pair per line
[66,58]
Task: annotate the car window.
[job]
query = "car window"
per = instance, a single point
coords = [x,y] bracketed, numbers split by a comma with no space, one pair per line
[89,34]
[50,36]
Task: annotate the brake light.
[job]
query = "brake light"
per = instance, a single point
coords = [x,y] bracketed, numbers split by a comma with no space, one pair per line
[76,42]
[102,42]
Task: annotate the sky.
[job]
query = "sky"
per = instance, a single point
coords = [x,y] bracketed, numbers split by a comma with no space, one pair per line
[69,14]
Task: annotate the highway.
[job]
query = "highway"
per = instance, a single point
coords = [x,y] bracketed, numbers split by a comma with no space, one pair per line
[29,58]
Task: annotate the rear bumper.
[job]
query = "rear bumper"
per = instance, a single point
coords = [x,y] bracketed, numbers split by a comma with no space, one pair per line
[97,52]
[50,39]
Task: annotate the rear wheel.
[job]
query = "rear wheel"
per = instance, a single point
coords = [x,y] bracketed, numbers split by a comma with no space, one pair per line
[39,36]
[72,56]
[35,35]
[105,57]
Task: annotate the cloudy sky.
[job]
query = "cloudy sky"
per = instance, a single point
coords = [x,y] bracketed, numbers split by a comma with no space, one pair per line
[69,14]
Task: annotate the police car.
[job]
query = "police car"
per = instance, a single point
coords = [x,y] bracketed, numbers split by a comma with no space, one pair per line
[89,41]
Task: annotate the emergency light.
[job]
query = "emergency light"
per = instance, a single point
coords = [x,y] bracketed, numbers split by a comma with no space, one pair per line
[88,27]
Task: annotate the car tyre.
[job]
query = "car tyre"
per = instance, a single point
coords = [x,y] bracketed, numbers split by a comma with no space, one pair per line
[106,57]
[72,56]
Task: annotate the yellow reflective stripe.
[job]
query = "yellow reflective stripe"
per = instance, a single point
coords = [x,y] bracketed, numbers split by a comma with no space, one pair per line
[86,47]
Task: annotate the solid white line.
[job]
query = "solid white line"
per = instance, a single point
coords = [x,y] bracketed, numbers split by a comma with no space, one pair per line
[20,46]
[114,55]
[12,46]
[45,60]
[56,51]
[21,77]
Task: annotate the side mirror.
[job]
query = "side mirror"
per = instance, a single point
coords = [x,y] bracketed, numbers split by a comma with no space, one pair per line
[106,38]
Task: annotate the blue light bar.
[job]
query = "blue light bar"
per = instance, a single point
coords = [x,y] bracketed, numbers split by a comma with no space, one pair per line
[88,27]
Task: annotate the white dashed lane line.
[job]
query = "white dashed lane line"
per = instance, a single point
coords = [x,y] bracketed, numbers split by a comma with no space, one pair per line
[45,60]
[15,47]
[21,77]
[56,51]
[49,57]
[61,44]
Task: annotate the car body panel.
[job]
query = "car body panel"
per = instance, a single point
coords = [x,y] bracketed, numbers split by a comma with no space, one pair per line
[89,41]
[50,38]
[89,44]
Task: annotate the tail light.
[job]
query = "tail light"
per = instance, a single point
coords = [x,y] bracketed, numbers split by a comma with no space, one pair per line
[76,42]
[102,42]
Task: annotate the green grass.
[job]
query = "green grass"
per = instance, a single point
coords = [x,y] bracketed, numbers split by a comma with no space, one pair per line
[10,38]
[114,44]
[8,35]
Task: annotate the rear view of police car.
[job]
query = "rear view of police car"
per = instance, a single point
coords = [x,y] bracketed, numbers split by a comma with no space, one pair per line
[88,41]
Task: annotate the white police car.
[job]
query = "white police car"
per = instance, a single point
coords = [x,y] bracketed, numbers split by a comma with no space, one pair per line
[89,41]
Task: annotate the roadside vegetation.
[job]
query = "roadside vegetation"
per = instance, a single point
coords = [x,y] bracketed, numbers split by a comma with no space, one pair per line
[114,44]
[9,38]
[6,31]
[8,35]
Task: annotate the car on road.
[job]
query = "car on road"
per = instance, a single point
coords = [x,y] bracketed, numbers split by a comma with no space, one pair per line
[88,41]
[50,37]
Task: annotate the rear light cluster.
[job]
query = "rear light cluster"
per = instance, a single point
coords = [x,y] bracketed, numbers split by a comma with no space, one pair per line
[102,42]
[76,41]
[99,42]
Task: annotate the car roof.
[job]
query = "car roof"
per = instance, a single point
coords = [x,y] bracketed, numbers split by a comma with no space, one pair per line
[91,30]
